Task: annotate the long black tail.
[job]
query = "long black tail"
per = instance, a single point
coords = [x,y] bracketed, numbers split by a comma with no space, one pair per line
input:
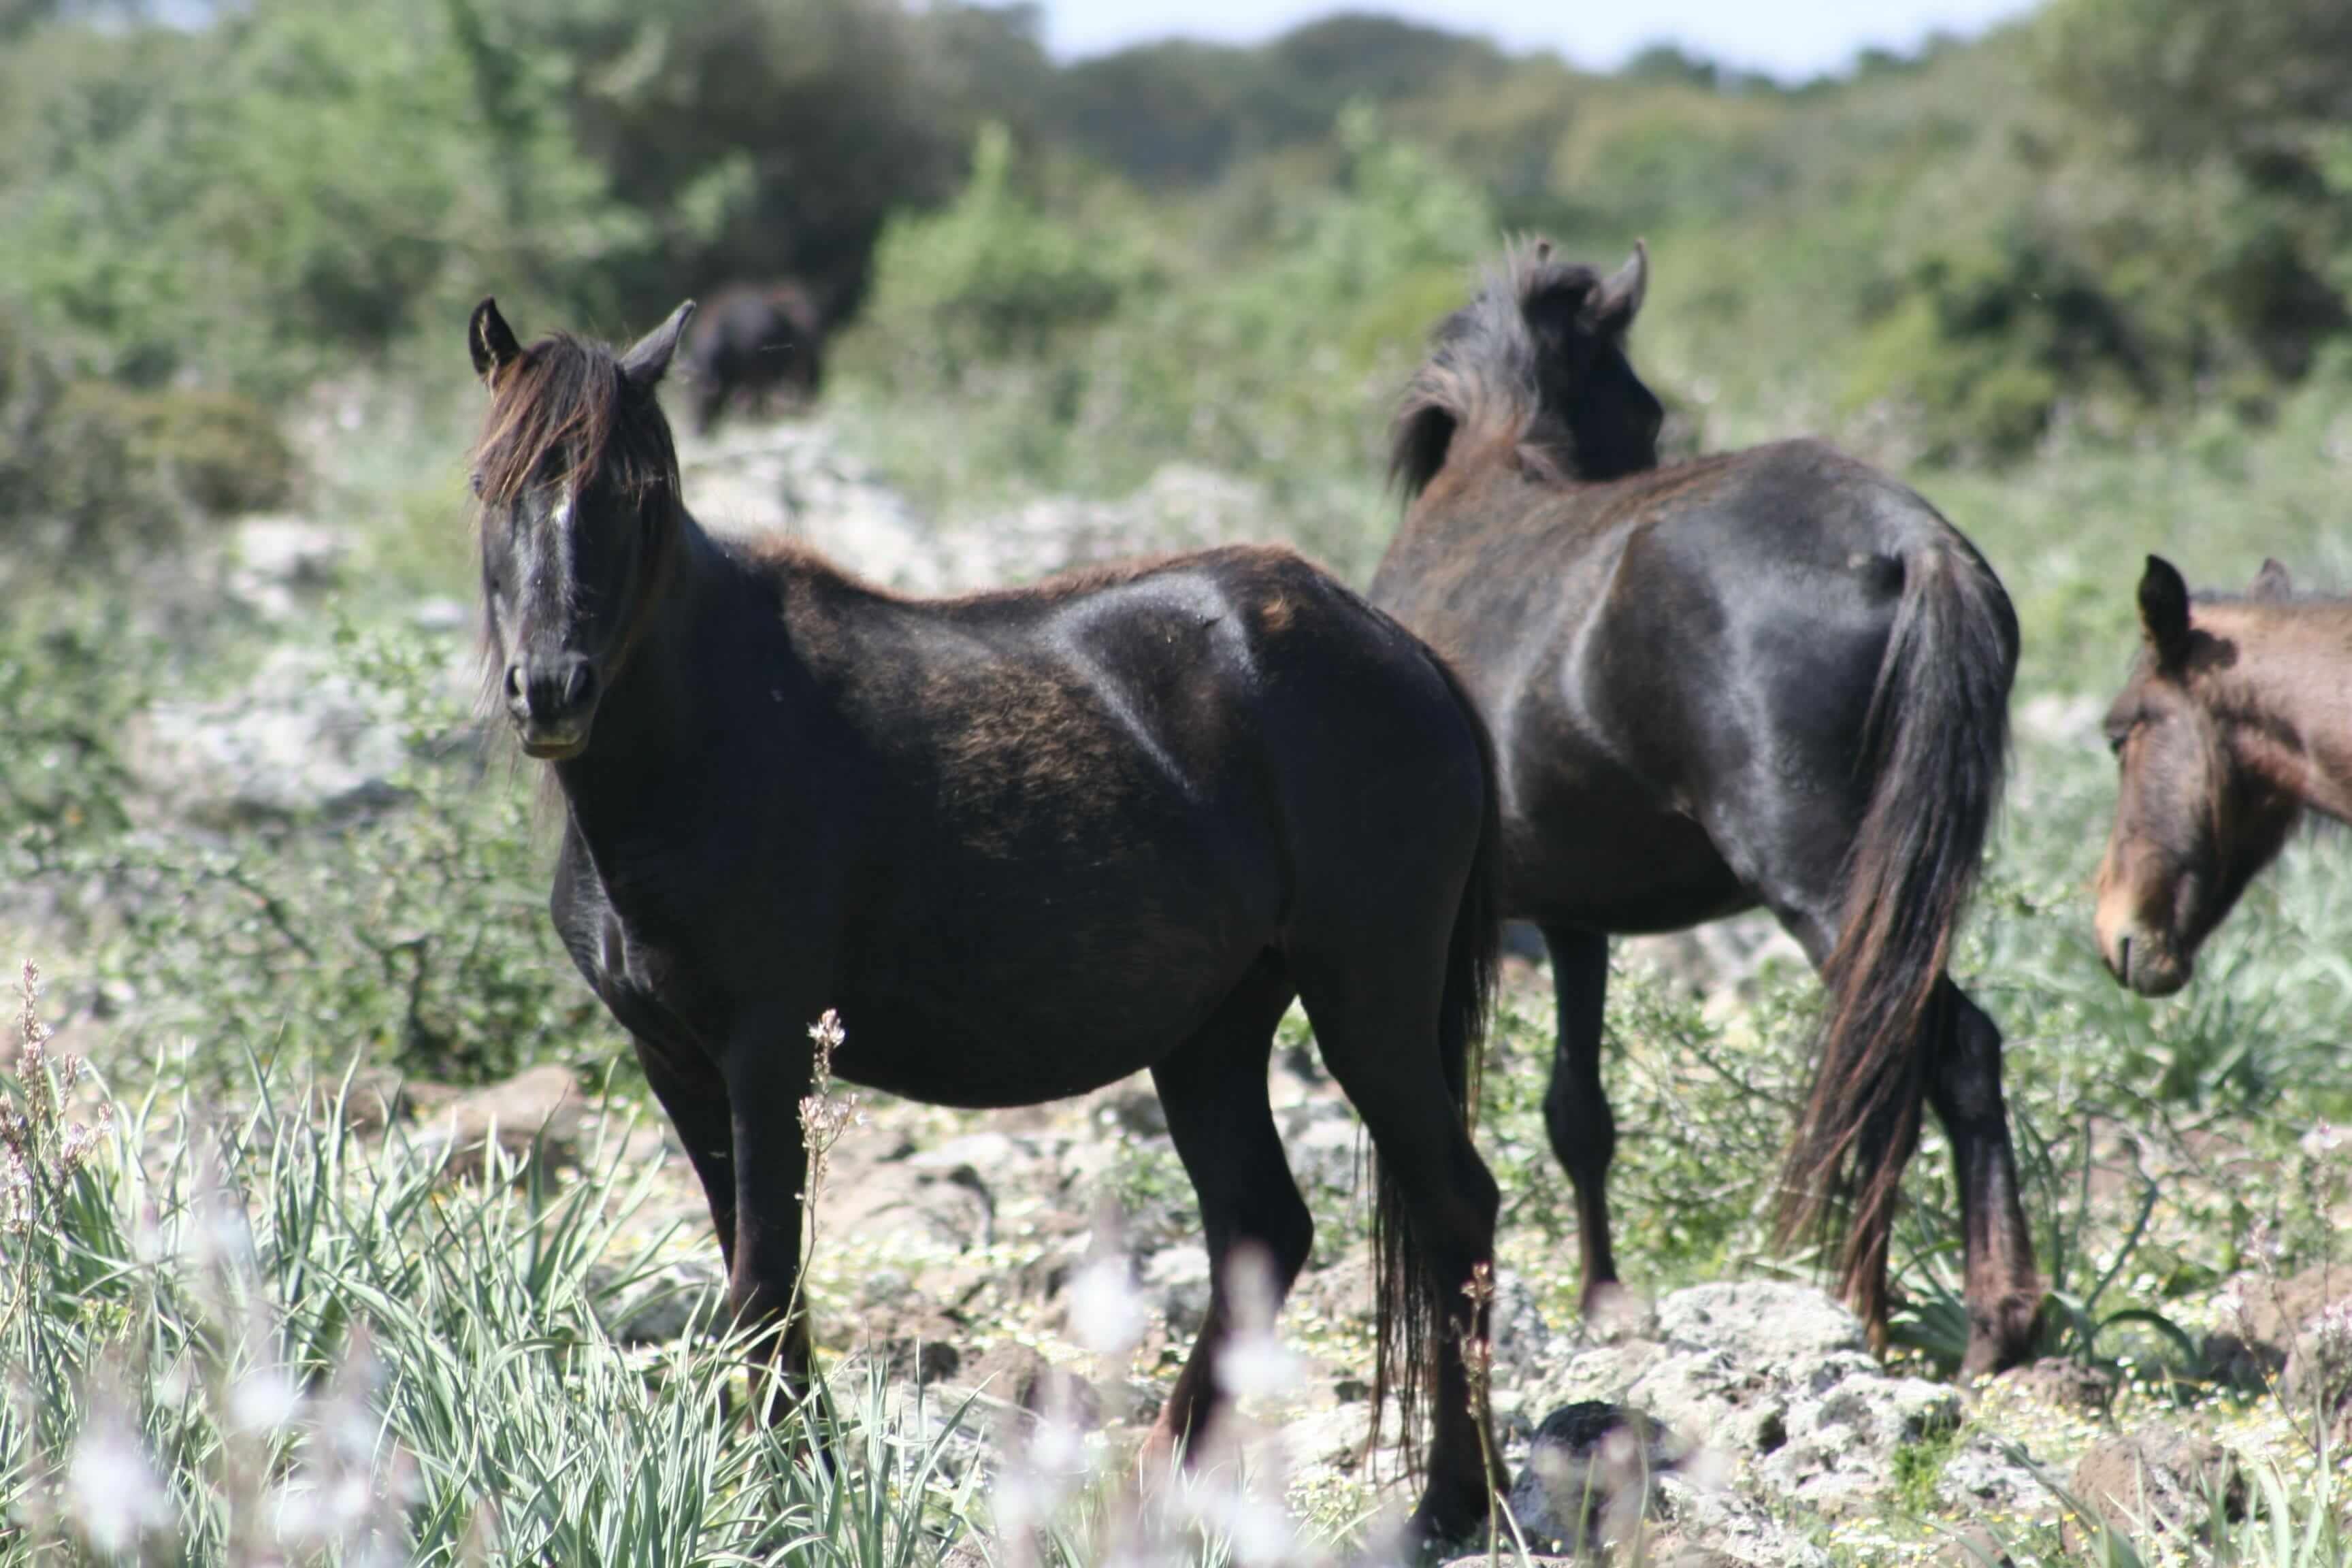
[1415,1309]
[1936,744]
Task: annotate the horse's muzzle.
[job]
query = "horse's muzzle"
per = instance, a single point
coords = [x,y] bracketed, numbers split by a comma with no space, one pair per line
[552,703]
[2143,963]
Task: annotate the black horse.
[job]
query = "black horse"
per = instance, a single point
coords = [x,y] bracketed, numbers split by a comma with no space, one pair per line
[1025,843]
[1774,676]
[755,340]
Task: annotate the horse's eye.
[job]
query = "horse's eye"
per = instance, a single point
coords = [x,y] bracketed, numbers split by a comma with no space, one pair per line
[474,479]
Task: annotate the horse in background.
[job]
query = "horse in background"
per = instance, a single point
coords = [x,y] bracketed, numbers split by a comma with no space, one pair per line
[1025,843]
[2236,720]
[1773,677]
[753,342]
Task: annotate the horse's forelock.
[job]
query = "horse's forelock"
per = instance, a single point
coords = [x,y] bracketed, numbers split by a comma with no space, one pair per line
[567,399]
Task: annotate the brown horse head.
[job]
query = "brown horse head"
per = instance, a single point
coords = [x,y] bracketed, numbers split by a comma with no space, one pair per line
[577,478]
[2196,815]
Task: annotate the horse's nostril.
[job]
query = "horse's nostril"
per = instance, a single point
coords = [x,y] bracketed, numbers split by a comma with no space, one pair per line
[580,685]
[514,681]
[2123,958]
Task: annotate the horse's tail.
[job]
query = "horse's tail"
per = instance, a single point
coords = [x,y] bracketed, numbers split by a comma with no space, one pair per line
[1413,1309]
[1934,746]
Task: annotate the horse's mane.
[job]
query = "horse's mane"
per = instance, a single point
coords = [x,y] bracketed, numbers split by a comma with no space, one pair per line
[1483,378]
[567,399]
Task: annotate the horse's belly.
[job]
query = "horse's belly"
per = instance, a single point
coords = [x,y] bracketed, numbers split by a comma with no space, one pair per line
[979,1037]
[1604,861]
[1007,989]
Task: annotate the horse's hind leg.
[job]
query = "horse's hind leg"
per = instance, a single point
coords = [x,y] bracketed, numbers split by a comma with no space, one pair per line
[1214,1089]
[2004,1293]
[1576,1109]
[1377,1021]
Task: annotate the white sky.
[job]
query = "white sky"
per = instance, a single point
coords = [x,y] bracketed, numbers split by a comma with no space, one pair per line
[1789,39]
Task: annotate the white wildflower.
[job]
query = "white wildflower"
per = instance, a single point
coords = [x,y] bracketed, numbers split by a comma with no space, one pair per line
[112,1493]
[1107,1314]
[264,1400]
[1254,1364]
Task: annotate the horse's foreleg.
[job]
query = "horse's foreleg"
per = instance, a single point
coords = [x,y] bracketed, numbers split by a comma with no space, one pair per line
[695,1097]
[767,1078]
[1576,1109]
[2004,1293]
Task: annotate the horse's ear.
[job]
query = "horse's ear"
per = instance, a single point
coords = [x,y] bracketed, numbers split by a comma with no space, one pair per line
[1617,300]
[646,361]
[2164,612]
[2272,584]
[1423,433]
[492,340]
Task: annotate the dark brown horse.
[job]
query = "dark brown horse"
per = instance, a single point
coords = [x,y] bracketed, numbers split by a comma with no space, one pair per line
[2237,717]
[1771,677]
[753,340]
[1025,843]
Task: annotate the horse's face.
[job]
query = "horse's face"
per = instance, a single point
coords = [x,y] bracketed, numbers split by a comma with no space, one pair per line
[562,562]
[569,535]
[2192,823]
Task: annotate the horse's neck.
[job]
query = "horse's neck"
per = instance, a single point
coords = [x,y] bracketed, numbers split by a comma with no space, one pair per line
[652,736]
[2297,689]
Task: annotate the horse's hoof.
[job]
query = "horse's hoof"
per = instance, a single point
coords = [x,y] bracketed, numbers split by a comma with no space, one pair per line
[2002,1337]
[1440,1529]
[1610,1308]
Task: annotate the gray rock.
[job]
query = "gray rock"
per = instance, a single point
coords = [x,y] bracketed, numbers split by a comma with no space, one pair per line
[1773,1328]
[661,1308]
[1176,1281]
[796,481]
[1524,1343]
[1590,1475]
[1324,1151]
[1328,1439]
[1018,1377]
[1982,1477]
[2157,1481]
[275,564]
[2063,1385]
[1771,1373]
[1133,1106]
[300,741]
[1734,1525]
[1723,963]
[1842,1434]
[536,1112]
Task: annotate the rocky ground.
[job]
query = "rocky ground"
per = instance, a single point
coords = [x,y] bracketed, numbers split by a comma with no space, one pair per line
[1746,1419]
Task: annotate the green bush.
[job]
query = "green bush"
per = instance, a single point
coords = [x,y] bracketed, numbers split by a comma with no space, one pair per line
[101,473]
[995,275]
[416,935]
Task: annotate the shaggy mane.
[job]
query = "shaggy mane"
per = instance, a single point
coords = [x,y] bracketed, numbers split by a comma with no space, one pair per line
[1482,377]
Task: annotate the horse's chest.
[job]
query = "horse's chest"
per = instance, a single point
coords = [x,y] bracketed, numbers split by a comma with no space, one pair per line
[634,939]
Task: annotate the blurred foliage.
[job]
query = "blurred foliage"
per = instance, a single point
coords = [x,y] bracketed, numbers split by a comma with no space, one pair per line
[417,934]
[2116,208]
[995,275]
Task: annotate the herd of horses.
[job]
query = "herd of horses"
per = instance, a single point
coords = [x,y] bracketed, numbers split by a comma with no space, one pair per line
[1030,841]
